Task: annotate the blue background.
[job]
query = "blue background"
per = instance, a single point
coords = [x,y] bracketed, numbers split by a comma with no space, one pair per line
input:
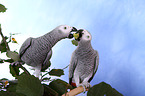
[117,28]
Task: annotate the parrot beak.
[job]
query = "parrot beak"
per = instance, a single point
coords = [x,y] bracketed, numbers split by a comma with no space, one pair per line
[78,35]
[74,29]
[71,34]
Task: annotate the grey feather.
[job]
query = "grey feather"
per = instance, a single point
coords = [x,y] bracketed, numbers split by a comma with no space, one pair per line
[96,63]
[24,46]
[84,62]
[72,66]
[36,52]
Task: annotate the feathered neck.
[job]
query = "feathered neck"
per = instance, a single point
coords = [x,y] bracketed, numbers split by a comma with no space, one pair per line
[84,47]
[51,38]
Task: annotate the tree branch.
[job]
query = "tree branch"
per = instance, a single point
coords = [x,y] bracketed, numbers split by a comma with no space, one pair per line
[74,92]
[7,46]
[24,69]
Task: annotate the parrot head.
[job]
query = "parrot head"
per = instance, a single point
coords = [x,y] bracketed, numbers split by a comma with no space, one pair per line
[82,34]
[66,31]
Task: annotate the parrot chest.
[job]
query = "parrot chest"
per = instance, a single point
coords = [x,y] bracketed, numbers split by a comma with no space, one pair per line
[85,64]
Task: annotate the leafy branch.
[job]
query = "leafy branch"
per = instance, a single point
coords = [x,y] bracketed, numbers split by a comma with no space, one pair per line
[26,84]
[4,39]
[2,8]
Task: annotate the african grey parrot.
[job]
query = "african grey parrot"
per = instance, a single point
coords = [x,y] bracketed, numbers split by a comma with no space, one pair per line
[36,52]
[84,61]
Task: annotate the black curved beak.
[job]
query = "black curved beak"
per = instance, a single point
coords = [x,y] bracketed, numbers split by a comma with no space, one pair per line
[74,29]
[71,34]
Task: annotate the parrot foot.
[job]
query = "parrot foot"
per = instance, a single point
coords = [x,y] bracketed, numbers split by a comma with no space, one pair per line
[85,85]
[17,63]
[82,86]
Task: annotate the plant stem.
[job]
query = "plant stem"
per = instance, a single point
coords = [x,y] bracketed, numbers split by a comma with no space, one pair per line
[44,75]
[7,46]
[65,67]
[24,69]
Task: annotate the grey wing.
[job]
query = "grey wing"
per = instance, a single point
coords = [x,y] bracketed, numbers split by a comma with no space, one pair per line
[47,62]
[96,63]
[25,46]
[72,67]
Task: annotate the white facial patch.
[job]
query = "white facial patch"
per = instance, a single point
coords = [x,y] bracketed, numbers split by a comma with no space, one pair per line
[65,29]
[86,36]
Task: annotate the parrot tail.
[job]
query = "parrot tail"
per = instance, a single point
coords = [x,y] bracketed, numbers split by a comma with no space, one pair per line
[73,84]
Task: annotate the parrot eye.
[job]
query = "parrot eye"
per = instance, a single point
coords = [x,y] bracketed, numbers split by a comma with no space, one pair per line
[65,27]
[88,36]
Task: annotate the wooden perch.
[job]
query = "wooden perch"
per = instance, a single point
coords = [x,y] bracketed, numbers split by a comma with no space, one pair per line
[75,91]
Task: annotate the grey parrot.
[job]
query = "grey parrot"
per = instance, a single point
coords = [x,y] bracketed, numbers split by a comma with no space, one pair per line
[84,61]
[36,52]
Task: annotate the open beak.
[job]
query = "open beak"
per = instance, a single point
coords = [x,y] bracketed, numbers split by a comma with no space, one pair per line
[71,34]
[74,29]
[78,35]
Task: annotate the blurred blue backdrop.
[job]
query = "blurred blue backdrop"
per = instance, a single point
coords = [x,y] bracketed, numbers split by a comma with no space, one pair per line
[117,28]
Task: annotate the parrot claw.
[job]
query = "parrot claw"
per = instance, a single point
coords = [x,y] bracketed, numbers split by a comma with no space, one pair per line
[85,85]
[17,63]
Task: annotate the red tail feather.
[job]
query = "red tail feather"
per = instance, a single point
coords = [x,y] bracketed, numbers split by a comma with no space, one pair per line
[73,84]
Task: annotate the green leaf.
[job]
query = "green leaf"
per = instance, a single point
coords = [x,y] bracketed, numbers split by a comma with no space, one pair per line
[29,85]
[46,79]
[3,47]
[6,37]
[1,61]
[48,91]
[102,89]
[9,60]
[14,70]
[5,93]
[74,42]
[14,42]
[2,8]
[3,79]
[12,87]
[13,55]
[1,87]
[59,86]
[56,72]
